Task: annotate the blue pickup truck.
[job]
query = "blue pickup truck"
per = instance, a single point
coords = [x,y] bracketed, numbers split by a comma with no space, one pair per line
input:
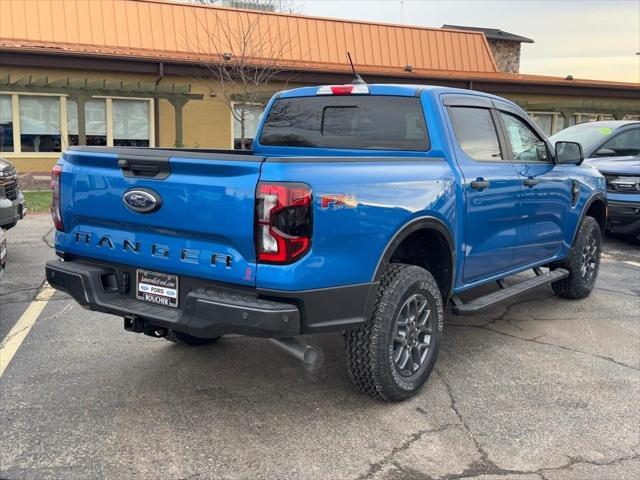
[364,209]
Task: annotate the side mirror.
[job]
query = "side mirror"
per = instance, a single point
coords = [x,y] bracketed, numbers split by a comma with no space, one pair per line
[569,153]
[605,152]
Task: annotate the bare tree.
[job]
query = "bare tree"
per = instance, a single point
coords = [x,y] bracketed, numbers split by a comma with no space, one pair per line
[248,57]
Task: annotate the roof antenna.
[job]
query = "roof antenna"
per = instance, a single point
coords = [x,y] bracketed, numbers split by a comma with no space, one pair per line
[357,79]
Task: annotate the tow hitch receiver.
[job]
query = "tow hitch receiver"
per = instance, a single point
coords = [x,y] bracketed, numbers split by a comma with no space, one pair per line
[135,324]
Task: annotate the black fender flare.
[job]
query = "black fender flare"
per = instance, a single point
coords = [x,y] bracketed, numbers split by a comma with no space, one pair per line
[598,196]
[420,223]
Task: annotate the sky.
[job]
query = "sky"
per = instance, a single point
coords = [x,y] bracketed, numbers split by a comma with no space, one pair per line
[595,39]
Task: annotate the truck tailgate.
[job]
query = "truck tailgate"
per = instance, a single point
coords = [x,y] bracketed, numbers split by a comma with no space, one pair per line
[203,227]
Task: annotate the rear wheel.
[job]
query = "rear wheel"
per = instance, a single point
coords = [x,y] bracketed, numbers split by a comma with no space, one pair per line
[392,355]
[583,262]
[181,338]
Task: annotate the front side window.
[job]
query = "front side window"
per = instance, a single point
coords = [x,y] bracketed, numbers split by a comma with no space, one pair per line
[476,133]
[365,122]
[39,124]
[526,145]
[130,123]
[95,118]
[6,124]
[622,145]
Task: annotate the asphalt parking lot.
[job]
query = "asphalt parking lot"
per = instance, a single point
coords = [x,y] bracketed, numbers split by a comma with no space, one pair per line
[542,388]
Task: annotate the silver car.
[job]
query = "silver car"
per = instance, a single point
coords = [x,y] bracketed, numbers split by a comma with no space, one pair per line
[12,207]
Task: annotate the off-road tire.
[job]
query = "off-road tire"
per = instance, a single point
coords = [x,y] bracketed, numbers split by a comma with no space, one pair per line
[576,285]
[185,339]
[370,347]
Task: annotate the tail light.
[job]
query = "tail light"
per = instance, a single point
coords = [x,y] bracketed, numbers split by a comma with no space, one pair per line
[283,221]
[55,202]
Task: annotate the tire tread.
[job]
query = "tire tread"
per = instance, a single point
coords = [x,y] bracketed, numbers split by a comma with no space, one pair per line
[362,343]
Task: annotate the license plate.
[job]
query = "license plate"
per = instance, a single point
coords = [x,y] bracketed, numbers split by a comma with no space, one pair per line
[158,288]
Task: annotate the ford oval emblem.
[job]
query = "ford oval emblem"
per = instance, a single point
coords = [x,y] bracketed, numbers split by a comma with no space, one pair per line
[142,200]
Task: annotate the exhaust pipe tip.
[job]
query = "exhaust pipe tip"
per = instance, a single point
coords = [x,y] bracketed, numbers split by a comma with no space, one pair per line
[312,357]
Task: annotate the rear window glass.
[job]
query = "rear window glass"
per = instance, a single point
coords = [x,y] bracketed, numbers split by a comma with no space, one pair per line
[362,122]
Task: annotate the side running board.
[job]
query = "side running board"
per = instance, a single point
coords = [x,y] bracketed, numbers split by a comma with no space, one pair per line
[506,293]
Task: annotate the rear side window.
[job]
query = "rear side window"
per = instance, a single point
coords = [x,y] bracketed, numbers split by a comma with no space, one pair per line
[361,122]
[625,144]
[476,133]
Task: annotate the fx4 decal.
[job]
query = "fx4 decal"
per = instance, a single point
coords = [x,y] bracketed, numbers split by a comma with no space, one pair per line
[338,200]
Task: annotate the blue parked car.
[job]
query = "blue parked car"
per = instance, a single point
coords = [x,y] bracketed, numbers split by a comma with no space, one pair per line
[613,147]
[362,209]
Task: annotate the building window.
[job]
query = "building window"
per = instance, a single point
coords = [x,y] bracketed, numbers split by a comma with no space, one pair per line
[6,124]
[252,116]
[549,122]
[586,117]
[95,121]
[130,123]
[543,120]
[39,124]
[108,122]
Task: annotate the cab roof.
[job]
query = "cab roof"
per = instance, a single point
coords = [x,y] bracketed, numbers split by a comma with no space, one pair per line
[400,90]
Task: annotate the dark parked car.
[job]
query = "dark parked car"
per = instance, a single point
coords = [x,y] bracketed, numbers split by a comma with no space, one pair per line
[12,206]
[3,252]
[613,147]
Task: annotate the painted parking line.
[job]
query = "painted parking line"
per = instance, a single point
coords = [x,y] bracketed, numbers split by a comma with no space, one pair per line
[21,329]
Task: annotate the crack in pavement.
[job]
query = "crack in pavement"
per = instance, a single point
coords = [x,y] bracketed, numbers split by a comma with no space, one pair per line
[549,344]
[484,463]
[29,301]
[13,292]
[45,238]
[57,314]
[485,466]
[377,466]
[618,292]
[11,335]
[501,472]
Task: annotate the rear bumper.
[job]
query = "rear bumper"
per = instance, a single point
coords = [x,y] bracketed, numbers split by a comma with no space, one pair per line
[623,217]
[209,310]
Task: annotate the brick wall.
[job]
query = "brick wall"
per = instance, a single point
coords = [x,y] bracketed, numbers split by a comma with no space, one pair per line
[507,55]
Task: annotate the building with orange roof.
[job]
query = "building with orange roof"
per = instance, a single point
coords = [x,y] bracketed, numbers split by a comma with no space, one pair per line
[134,72]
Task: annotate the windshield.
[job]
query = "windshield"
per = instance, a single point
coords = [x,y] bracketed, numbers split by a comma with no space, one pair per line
[586,135]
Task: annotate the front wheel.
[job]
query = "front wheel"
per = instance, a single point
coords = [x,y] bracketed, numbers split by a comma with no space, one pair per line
[582,263]
[393,353]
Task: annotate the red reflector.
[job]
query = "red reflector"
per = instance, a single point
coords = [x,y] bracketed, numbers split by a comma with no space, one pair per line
[342,89]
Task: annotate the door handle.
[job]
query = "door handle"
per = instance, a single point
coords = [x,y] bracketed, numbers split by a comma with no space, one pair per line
[530,182]
[480,184]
